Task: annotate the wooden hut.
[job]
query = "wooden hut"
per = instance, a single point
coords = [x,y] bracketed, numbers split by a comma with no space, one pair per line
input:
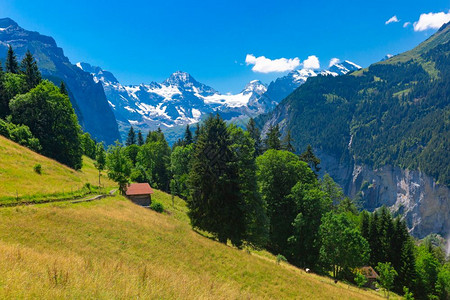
[140,193]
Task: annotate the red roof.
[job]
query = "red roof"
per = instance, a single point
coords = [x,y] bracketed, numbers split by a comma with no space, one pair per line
[139,189]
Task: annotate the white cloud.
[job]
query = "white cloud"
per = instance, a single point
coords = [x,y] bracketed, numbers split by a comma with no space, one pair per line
[262,64]
[392,20]
[334,61]
[431,21]
[312,62]
[406,24]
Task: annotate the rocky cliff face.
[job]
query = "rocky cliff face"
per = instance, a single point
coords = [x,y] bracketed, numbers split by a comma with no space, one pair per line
[87,97]
[411,193]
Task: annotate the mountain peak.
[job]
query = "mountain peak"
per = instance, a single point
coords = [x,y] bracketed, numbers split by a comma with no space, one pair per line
[255,86]
[180,77]
[6,22]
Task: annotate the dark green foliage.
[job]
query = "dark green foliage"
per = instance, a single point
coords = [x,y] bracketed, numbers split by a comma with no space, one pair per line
[255,134]
[89,145]
[272,140]
[131,139]
[20,134]
[156,206]
[12,66]
[343,246]
[51,119]
[256,221]
[179,166]
[131,152]
[188,139]
[140,138]
[153,161]
[287,142]
[119,166]
[37,168]
[63,89]
[310,158]
[216,204]
[311,205]
[278,171]
[30,69]
[11,85]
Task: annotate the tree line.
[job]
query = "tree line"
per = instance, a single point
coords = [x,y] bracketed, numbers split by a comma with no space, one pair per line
[254,192]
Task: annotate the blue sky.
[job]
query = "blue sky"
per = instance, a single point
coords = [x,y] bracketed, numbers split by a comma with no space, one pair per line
[144,41]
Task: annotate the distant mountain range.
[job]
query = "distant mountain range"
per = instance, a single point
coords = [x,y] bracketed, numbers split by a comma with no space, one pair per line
[87,97]
[181,100]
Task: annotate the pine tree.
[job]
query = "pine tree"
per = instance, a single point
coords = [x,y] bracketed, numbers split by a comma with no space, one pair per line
[255,134]
[140,139]
[188,136]
[216,203]
[272,140]
[197,132]
[11,62]
[131,139]
[309,157]
[30,69]
[287,142]
[63,89]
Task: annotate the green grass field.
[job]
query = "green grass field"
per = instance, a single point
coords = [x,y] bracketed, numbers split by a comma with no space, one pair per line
[114,249]
[19,180]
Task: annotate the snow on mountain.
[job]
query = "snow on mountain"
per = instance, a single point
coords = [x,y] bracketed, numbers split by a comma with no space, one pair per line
[181,100]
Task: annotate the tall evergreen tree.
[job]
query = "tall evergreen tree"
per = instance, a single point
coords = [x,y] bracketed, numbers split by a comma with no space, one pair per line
[131,139]
[255,134]
[309,157]
[287,142]
[196,132]
[30,69]
[63,89]
[272,140]
[140,138]
[12,66]
[4,101]
[216,203]
[188,136]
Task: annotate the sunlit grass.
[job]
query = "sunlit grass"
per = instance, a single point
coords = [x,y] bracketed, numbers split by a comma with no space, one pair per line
[19,181]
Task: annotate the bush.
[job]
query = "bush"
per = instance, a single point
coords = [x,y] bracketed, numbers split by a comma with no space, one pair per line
[280,258]
[156,206]
[360,279]
[38,168]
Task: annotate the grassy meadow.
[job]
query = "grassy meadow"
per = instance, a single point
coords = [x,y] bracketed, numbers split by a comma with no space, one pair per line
[19,180]
[114,249]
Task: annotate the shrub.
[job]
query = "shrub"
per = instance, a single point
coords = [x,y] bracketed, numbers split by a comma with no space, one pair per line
[156,206]
[38,168]
[360,279]
[280,258]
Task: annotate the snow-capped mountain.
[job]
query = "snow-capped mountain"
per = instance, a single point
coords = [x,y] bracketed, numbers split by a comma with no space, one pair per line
[181,100]
[178,100]
[283,86]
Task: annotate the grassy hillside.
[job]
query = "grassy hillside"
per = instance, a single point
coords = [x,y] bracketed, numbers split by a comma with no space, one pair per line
[115,249]
[18,178]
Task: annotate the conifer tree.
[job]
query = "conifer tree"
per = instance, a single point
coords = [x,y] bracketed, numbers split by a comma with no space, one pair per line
[287,142]
[309,157]
[63,89]
[272,140]
[188,136]
[216,203]
[30,69]
[11,61]
[140,139]
[4,103]
[131,139]
[255,134]
[197,132]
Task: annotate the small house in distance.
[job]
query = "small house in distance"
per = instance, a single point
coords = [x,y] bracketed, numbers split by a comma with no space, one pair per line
[140,193]
[370,275]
